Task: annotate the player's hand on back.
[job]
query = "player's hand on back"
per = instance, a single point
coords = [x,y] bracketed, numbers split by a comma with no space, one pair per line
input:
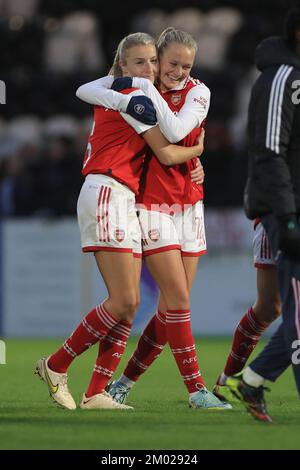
[200,141]
[197,174]
[141,108]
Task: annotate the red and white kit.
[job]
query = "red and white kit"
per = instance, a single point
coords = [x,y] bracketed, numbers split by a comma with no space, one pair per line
[262,254]
[112,165]
[165,192]
[107,216]
[164,189]
[173,215]
[183,231]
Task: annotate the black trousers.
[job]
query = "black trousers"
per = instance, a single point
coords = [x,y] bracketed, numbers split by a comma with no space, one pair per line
[283,348]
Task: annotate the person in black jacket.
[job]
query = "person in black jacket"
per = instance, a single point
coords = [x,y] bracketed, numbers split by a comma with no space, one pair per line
[272,194]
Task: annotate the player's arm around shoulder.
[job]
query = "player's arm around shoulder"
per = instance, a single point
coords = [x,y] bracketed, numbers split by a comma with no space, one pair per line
[99,93]
[173,127]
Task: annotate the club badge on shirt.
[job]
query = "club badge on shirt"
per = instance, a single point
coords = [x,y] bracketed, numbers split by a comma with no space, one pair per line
[175,99]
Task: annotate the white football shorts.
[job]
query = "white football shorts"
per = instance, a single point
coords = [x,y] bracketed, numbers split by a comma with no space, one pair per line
[183,231]
[262,253]
[107,216]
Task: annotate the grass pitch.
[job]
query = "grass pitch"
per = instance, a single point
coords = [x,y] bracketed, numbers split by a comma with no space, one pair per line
[161,420]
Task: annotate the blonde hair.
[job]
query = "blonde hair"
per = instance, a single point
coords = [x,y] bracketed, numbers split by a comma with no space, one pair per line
[128,42]
[170,35]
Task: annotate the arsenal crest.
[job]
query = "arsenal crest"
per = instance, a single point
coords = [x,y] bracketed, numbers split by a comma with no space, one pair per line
[175,99]
[119,234]
[154,234]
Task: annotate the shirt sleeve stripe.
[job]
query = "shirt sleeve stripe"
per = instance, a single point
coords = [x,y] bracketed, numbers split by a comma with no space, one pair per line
[275,108]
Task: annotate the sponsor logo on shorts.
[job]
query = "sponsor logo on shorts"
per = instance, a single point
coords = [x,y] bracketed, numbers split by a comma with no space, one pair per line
[119,234]
[154,234]
[175,99]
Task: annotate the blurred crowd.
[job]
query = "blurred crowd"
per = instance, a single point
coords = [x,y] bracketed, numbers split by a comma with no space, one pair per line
[49,48]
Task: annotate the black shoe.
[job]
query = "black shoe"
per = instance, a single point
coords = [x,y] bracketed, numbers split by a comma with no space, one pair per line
[252,397]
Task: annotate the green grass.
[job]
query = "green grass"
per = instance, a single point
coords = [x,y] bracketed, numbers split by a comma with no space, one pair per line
[161,420]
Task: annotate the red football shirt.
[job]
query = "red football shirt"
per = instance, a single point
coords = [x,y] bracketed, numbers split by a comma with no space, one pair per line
[171,186]
[115,148]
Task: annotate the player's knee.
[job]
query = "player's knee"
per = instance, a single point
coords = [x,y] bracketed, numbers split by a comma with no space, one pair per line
[178,298]
[268,311]
[127,305]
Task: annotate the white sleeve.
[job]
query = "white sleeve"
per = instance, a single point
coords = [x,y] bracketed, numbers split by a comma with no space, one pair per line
[99,93]
[138,126]
[191,115]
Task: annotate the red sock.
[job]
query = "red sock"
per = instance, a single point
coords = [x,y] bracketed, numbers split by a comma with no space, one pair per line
[246,336]
[111,349]
[182,344]
[94,326]
[149,347]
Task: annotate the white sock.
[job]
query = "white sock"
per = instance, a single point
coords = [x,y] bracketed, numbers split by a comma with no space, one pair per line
[199,387]
[126,381]
[222,379]
[252,378]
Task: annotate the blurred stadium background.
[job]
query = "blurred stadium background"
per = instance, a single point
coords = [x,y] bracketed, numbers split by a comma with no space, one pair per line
[49,48]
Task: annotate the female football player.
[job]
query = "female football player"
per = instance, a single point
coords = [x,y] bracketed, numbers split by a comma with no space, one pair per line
[170,213]
[109,227]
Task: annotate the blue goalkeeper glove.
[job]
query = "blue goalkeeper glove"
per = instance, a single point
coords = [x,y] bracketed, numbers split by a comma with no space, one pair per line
[141,108]
[121,83]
